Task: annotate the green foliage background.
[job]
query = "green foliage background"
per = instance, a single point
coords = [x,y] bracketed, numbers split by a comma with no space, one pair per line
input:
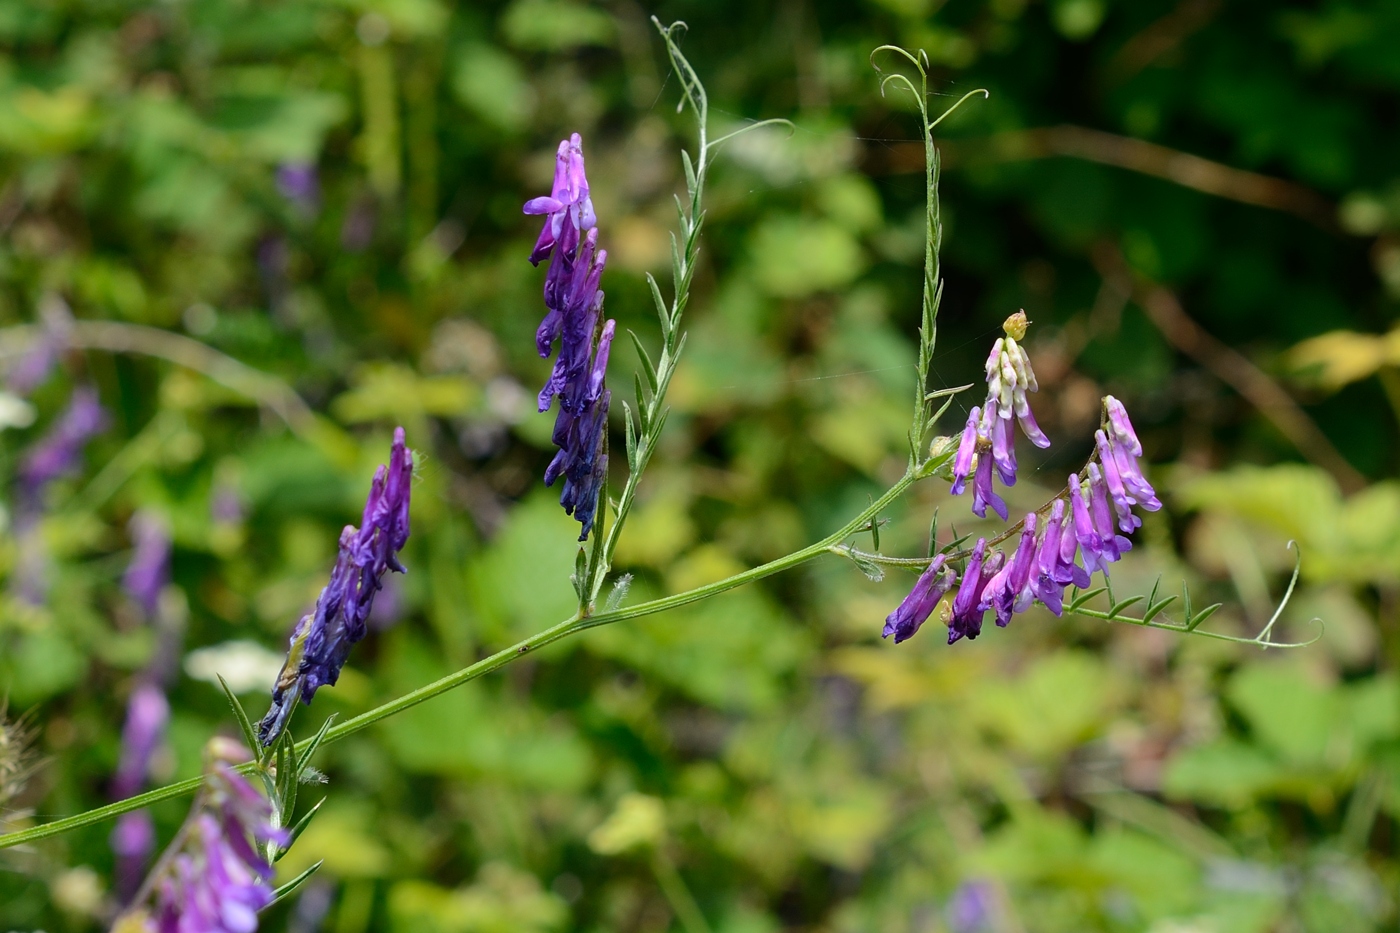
[764,751]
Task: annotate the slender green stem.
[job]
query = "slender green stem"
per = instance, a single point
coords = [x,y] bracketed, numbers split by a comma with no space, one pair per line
[673,886]
[484,666]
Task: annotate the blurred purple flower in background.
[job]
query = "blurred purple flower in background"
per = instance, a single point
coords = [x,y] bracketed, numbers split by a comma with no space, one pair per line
[34,367]
[57,453]
[149,570]
[133,838]
[323,638]
[971,908]
[300,184]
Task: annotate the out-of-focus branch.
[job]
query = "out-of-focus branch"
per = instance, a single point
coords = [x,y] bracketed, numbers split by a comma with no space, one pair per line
[1161,37]
[1229,366]
[118,337]
[1136,155]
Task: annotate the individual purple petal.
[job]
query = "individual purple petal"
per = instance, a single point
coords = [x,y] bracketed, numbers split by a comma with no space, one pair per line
[916,608]
[543,205]
[965,619]
[1121,427]
[1029,426]
[967,452]
[1067,571]
[1004,590]
[982,493]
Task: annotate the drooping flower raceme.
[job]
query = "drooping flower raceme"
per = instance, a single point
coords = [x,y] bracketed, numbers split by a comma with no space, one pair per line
[989,437]
[574,318]
[1078,533]
[217,881]
[323,638]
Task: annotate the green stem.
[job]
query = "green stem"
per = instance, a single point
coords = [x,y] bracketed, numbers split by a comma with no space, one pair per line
[678,895]
[485,666]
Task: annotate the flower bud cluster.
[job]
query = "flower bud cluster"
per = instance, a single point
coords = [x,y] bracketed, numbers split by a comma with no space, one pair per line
[989,438]
[574,317]
[1078,533]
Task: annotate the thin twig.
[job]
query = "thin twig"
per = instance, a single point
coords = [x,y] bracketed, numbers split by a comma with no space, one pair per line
[1136,155]
[1230,366]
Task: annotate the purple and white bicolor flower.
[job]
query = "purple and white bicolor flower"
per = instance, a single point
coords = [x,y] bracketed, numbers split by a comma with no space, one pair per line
[322,640]
[916,608]
[567,208]
[989,436]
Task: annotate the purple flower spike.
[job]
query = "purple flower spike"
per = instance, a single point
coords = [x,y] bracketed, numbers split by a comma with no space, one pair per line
[1004,593]
[322,640]
[58,452]
[968,608]
[149,570]
[967,452]
[982,493]
[1030,427]
[1044,578]
[914,611]
[568,208]
[1130,475]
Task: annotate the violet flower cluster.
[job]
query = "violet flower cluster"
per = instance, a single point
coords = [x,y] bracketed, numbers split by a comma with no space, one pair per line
[216,881]
[322,640]
[1081,531]
[989,438]
[574,317]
